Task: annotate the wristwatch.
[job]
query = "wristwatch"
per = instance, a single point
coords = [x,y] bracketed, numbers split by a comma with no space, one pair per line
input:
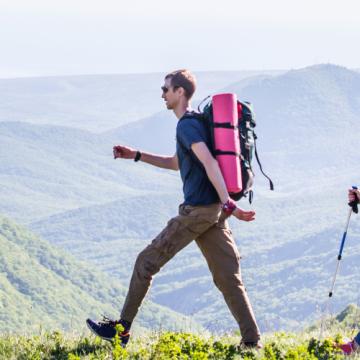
[229,207]
[137,156]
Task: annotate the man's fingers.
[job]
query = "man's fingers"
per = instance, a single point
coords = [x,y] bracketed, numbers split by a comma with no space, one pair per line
[117,151]
[247,213]
[244,215]
[250,217]
[352,195]
[247,219]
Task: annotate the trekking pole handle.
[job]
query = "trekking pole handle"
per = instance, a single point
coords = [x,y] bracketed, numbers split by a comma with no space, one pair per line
[354,204]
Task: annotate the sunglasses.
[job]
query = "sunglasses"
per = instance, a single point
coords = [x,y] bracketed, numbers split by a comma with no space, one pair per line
[166,89]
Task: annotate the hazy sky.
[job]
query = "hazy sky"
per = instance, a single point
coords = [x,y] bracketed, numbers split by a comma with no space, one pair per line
[52,37]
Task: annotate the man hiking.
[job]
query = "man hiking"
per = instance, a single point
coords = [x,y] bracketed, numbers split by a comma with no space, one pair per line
[202,217]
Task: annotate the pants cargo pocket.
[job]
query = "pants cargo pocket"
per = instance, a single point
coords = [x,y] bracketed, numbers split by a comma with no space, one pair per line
[167,241]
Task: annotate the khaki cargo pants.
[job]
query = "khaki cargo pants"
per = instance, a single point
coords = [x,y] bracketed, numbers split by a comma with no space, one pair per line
[206,225]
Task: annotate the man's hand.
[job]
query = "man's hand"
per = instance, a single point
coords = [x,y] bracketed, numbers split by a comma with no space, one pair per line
[123,152]
[354,195]
[244,215]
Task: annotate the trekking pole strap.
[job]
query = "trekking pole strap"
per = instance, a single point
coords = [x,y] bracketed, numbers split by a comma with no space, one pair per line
[259,163]
[354,206]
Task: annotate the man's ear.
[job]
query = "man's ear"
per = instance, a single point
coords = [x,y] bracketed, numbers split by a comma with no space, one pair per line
[181,91]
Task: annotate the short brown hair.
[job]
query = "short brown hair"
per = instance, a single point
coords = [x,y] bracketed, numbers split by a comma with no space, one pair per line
[185,79]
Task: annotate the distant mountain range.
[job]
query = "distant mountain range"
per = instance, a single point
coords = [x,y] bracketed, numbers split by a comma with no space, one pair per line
[63,183]
[97,102]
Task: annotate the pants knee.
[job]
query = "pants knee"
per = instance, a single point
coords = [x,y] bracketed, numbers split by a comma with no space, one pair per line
[227,284]
[145,267]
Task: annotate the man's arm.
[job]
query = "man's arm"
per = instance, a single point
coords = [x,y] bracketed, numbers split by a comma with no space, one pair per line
[165,162]
[212,169]
[215,176]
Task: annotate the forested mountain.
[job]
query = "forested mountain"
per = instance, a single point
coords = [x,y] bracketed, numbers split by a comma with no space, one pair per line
[43,287]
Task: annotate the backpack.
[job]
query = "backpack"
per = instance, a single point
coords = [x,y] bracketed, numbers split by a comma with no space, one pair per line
[247,138]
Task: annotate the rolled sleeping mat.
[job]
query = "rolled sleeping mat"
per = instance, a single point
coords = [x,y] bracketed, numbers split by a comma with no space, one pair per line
[226,139]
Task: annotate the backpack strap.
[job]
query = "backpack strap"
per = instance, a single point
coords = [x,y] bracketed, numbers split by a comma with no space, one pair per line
[258,161]
[222,152]
[202,101]
[191,114]
[251,196]
[224,125]
[190,153]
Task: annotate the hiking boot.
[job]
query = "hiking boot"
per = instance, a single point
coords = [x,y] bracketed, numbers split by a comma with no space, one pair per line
[250,345]
[106,329]
[347,348]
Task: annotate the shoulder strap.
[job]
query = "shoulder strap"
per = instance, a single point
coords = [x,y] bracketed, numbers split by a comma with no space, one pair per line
[201,102]
[192,114]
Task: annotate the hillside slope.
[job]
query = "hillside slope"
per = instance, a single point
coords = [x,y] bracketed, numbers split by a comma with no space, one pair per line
[41,286]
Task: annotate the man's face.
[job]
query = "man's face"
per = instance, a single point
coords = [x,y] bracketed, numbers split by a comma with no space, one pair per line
[170,95]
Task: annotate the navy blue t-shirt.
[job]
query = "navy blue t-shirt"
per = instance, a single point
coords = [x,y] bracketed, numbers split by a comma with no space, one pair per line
[197,187]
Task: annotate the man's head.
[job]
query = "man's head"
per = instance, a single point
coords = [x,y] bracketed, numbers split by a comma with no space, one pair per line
[179,86]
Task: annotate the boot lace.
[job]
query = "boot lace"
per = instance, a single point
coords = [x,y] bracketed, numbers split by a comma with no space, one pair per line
[108,322]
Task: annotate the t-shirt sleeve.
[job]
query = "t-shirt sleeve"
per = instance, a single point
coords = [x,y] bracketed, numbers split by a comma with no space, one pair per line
[189,132]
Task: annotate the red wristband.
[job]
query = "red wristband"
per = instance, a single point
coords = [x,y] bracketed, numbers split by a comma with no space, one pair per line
[229,207]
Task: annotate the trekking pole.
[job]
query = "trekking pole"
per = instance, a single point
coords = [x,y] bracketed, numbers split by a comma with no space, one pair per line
[353,208]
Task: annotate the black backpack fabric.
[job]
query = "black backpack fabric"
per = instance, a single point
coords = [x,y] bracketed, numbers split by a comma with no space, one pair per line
[247,144]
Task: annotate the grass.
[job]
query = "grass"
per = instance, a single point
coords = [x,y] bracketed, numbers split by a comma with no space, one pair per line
[167,346]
